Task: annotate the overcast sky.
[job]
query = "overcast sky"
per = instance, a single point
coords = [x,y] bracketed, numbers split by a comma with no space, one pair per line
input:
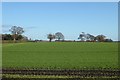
[71,18]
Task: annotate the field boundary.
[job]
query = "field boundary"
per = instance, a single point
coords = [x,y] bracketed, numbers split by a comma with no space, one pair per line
[64,73]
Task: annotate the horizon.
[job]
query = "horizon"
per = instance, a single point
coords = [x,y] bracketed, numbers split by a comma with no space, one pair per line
[69,18]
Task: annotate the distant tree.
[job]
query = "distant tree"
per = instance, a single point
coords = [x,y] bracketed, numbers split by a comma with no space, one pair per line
[50,37]
[108,40]
[16,31]
[59,36]
[7,37]
[10,37]
[82,36]
[100,38]
[90,37]
[19,37]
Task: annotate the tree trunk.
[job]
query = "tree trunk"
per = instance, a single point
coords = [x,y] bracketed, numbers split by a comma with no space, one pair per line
[14,38]
[50,40]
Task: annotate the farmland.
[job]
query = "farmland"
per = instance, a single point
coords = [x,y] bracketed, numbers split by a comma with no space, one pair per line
[60,55]
[60,60]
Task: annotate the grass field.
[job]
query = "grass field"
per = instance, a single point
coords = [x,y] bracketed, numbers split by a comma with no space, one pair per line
[60,55]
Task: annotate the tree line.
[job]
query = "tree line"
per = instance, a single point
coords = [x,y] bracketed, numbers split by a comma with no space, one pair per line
[83,37]
[16,34]
[89,37]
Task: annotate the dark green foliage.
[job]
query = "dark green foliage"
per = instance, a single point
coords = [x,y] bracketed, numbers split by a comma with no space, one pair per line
[108,40]
[10,37]
[7,37]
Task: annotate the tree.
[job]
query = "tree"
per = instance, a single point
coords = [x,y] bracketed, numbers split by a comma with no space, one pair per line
[10,37]
[108,40]
[7,37]
[82,36]
[100,38]
[19,37]
[90,37]
[59,36]
[50,37]
[16,31]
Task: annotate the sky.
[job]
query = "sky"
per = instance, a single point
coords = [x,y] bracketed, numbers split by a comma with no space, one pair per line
[60,0]
[70,18]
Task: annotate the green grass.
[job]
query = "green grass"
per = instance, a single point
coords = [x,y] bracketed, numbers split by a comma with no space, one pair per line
[60,55]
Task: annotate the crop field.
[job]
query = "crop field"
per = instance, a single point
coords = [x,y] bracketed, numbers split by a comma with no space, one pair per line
[60,55]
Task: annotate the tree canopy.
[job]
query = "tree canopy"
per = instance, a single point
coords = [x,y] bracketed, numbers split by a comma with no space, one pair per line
[16,31]
[59,36]
[50,37]
[89,37]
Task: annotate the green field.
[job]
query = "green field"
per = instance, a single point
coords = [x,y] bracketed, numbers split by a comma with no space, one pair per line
[60,55]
